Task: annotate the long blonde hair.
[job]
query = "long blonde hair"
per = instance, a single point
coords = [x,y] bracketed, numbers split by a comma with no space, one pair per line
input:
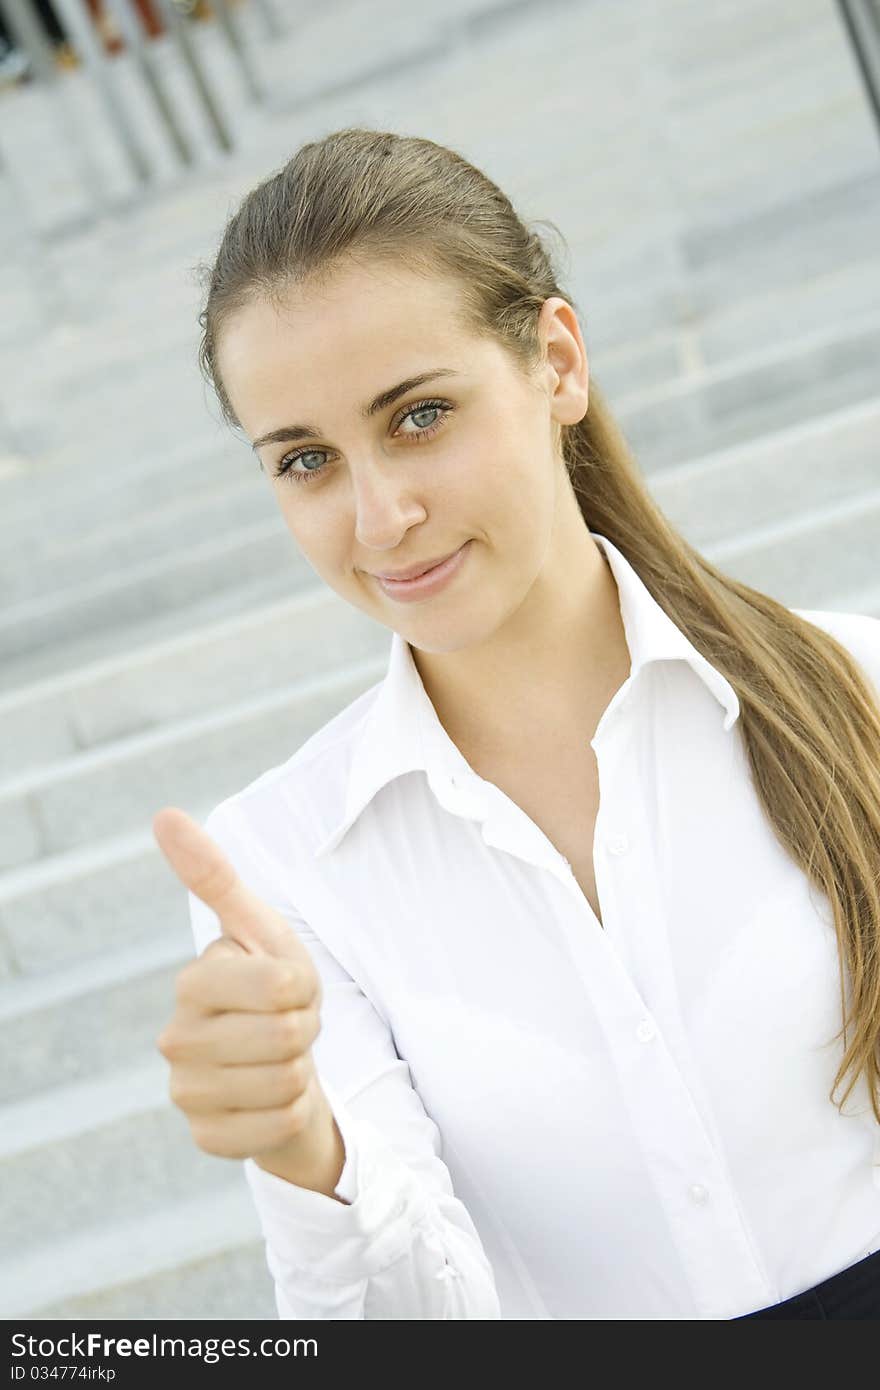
[809,721]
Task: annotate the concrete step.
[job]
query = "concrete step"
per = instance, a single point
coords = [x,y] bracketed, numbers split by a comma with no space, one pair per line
[684,333]
[808,265]
[87,503]
[787,556]
[35,567]
[797,469]
[255,552]
[78,909]
[750,123]
[765,279]
[105,791]
[198,672]
[740,400]
[202,1258]
[75,649]
[228,1284]
[98,1152]
[74,1027]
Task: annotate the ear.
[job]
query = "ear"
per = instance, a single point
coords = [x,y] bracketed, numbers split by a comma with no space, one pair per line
[567,367]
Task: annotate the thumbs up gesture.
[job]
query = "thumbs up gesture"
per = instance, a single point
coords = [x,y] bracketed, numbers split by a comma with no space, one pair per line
[247,1011]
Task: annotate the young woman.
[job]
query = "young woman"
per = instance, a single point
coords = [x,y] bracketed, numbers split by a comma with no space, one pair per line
[520,987]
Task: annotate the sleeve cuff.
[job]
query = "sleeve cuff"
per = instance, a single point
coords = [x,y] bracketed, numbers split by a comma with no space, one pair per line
[329,1240]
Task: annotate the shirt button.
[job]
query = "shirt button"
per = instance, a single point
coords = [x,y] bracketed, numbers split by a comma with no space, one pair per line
[699,1194]
[646,1030]
[617,844]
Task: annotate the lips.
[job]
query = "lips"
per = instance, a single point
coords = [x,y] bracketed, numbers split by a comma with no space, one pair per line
[429,582]
[415,570]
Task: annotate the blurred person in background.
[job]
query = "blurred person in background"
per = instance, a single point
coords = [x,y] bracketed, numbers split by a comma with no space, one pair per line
[15,64]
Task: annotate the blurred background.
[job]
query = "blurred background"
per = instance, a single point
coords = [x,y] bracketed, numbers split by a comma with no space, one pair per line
[714,169]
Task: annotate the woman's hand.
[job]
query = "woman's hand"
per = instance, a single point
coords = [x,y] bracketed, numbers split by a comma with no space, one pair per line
[248,1009]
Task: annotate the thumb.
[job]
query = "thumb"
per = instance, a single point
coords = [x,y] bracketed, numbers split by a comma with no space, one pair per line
[204,869]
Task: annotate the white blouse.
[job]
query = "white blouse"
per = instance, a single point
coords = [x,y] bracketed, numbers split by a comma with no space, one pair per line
[544,1118]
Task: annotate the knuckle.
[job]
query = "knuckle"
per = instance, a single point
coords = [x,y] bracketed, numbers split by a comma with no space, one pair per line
[288,1026]
[211,1140]
[295,1079]
[280,986]
[178,1091]
[222,948]
[295,1117]
[183,984]
[311,1026]
[203,1134]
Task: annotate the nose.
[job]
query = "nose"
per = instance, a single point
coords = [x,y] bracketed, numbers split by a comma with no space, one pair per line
[385,504]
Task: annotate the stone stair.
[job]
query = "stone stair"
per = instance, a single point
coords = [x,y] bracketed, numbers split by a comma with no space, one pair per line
[162,642]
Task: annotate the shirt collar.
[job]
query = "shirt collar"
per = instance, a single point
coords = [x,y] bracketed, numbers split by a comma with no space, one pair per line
[402,733]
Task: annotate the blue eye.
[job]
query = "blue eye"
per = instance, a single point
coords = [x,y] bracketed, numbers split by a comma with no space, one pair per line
[440,409]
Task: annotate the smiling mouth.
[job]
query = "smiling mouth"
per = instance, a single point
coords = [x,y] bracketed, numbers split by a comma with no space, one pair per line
[416,573]
[429,580]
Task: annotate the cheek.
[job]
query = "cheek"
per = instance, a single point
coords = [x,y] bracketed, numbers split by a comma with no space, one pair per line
[292,515]
[517,487]
[313,535]
[516,455]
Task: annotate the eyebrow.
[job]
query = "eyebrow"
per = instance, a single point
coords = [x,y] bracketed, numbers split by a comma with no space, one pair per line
[292,433]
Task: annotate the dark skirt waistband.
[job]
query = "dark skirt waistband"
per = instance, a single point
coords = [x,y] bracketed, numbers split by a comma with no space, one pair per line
[853,1293]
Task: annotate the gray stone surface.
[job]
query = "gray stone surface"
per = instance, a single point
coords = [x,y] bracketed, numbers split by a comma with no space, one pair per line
[818,462]
[256,552]
[58,911]
[214,1235]
[119,1136]
[233,1285]
[105,791]
[197,673]
[87,1024]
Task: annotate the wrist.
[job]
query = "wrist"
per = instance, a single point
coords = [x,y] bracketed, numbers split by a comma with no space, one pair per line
[313,1159]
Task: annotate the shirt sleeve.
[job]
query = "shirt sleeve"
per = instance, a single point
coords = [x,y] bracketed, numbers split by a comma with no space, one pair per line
[401,1245]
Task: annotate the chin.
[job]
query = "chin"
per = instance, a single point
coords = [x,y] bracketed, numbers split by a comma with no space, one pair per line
[452,633]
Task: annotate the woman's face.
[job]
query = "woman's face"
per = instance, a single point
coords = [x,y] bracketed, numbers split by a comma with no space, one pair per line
[467,457]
